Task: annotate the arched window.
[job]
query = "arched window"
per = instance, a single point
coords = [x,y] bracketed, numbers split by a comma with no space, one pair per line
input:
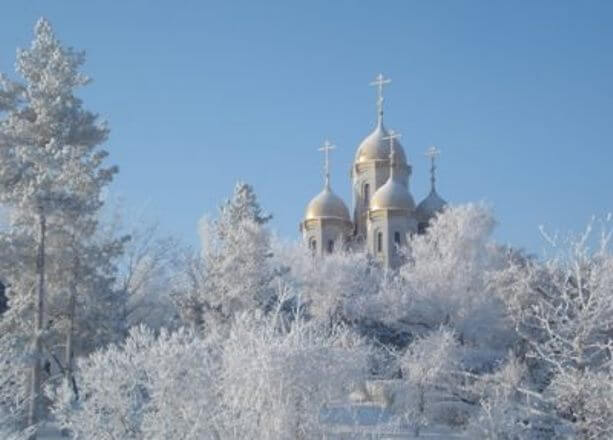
[330,246]
[366,194]
[313,244]
[379,242]
[396,242]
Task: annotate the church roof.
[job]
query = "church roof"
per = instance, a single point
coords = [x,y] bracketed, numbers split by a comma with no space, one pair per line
[326,205]
[375,147]
[429,207]
[394,193]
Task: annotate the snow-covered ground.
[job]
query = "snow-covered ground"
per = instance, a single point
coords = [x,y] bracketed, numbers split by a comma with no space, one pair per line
[50,432]
[372,421]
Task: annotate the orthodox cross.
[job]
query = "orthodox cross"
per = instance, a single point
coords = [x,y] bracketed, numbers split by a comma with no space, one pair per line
[392,135]
[380,81]
[326,148]
[432,153]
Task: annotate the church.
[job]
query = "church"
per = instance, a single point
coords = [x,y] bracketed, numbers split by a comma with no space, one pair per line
[384,211]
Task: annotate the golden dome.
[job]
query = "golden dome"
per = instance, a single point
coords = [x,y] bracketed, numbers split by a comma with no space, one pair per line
[327,205]
[392,195]
[376,147]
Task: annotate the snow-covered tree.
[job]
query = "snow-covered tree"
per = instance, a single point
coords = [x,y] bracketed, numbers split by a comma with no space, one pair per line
[146,274]
[274,384]
[336,289]
[447,270]
[563,310]
[445,282]
[243,205]
[233,272]
[51,175]
[147,387]
[13,385]
[266,381]
[506,409]
[427,367]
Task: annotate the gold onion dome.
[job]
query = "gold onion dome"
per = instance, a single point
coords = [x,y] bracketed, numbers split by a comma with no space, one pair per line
[375,147]
[394,194]
[327,205]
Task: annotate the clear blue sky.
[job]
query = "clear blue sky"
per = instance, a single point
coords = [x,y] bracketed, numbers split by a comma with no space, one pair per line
[517,94]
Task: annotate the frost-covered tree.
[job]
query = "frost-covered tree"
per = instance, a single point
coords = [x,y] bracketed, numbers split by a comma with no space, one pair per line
[503,412]
[51,175]
[266,381]
[336,289]
[445,281]
[13,386]
[427,366]
[243,205]
[563,310]
[233,272]
[274,384]
[585,398]
[146,387]
[147,272]
[447,268]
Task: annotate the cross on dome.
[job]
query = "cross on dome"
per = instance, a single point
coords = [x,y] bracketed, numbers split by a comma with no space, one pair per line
[326,148]
[432,153]
[391,136]
[379,82]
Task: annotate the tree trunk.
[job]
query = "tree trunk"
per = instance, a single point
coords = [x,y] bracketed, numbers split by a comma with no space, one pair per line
[68,362]
[34,410]
[421,409]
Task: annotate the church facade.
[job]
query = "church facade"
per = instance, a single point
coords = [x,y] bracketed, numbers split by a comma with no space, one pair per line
[384,214]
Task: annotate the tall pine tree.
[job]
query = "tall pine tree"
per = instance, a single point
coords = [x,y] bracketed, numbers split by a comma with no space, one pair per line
[52,173]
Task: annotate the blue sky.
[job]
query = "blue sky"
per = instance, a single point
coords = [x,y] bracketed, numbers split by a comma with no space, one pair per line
[517,95]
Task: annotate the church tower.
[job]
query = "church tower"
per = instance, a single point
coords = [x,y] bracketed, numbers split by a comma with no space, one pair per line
[326,223]
[371,166]
[391,214]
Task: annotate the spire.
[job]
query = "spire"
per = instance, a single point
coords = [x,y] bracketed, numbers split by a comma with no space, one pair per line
[380,81]
[391,136]
[432,153]
[327,146]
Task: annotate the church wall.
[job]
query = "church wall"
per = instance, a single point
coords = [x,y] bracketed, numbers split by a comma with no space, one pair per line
[389,222]
[323,231]
[335,231]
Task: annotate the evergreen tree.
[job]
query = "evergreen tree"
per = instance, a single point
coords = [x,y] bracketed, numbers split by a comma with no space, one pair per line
[233,272]
[242,206]
[51,176]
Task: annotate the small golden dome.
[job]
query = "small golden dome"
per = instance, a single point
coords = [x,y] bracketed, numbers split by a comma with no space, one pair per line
[328,205]
[392,195]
